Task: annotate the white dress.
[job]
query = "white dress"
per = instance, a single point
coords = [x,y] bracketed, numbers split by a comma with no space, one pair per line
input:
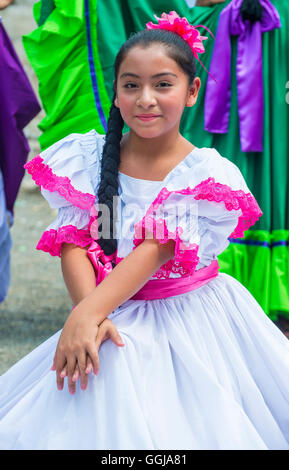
[202,370]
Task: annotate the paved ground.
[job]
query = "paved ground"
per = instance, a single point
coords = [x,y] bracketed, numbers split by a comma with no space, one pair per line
[37,303]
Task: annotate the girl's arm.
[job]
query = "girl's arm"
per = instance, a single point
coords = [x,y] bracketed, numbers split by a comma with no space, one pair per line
[78,336]
[79,275]
[127,278]
[78,272]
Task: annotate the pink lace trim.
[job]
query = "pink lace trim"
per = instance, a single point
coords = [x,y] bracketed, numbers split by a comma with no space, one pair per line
[186,258]
[43,176]
[233,199]
[51,240]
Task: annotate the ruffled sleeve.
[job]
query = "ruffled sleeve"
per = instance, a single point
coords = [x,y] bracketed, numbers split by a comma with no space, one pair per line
[70,226]
[200,208]
[67,174]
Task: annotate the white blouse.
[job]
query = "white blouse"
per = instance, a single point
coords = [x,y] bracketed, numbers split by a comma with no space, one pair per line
[201,202]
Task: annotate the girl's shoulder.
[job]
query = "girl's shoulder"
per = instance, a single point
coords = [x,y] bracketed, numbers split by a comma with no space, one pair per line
[207,164]
[88,144]
[68,171]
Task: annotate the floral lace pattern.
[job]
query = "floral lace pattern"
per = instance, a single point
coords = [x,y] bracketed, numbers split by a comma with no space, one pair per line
[52,240]
[236,200]
[186,259]
[43,176]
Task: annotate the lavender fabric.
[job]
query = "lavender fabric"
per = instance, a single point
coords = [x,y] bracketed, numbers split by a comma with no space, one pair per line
[18,106]
[248,70]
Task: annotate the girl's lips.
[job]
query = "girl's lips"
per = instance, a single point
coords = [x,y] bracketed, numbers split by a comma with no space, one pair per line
[147,118]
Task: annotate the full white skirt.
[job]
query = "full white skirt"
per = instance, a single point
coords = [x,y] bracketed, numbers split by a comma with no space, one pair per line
[202,370]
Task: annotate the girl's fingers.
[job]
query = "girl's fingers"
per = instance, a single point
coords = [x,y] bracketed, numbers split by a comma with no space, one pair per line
[116,338]
[101,337]
[89,365]
[82,364]
[63,373]
[93,352]
[71,365]
[53,367]
[60,365]
[76,374]
[114,335]
[84,381]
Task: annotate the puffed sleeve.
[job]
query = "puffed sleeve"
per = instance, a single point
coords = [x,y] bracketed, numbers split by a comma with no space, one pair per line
[67,174]
[70,226]
[215,224]
[200,212]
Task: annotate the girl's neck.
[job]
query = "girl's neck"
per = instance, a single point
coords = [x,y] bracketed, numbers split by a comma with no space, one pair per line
[142,150]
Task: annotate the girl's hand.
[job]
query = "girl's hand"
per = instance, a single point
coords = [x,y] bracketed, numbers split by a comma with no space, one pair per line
[77,340]
[105,331]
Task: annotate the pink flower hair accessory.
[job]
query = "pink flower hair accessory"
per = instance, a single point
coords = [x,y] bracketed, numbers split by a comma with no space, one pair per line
[174,23]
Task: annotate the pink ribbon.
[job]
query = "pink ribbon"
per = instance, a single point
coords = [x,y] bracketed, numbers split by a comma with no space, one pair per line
[101,262]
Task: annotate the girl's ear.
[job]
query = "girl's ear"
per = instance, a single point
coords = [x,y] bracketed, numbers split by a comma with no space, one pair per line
[193,92]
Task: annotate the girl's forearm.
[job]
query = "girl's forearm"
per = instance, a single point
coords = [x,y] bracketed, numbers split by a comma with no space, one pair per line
[78,272]
[128,277]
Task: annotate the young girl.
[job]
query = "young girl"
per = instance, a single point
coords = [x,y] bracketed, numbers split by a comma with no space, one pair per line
[190,360]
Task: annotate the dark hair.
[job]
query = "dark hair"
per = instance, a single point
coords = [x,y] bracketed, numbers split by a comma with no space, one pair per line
[177,49]
[251,10]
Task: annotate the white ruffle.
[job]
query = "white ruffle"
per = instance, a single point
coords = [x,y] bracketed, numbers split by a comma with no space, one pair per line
[76,158]
[70,215]
[215,224]
[201,164]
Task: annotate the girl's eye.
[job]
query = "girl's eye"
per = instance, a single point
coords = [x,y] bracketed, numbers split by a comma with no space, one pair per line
[165,83]
[127,85]
[133,85]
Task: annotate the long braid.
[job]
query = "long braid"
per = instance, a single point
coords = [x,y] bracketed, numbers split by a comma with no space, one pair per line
[182,54]
[251,10]
[110,161]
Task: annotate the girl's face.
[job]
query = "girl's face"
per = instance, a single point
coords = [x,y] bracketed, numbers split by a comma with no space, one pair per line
[151,83]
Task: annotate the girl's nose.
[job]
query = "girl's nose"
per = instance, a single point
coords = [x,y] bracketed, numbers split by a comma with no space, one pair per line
[146,98]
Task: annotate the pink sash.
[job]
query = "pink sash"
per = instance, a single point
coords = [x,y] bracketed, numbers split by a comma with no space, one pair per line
[153,289]
[163,288]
